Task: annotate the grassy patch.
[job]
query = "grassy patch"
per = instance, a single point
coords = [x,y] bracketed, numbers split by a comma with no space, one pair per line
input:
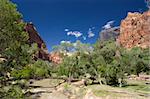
[102,93]
[134,89]
[138,86]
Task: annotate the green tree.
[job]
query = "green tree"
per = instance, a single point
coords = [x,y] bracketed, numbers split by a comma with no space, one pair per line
[79,63]
[107,58]
[82,47]
[107,49]
[64,47]
[14,47]
[136,60]
[11,28]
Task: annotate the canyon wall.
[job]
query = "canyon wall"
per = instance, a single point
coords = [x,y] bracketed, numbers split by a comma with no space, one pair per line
[35,38]
[43,54]
[135,30]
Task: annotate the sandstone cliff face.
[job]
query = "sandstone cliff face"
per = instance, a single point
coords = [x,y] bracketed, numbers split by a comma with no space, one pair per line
[35,38]
[135,30]
[55,57]
[33,35]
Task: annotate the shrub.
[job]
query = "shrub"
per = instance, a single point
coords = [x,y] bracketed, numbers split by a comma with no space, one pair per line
[68,67]
[26,73]
[11,92]
[38,69]
[41,69]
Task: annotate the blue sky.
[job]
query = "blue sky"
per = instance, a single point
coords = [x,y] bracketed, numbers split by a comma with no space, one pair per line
[54,19]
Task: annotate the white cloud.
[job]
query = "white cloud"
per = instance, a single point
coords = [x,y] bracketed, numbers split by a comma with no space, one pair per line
[108,25]
[74,33]
[66,30]
[69,33]
[65,42]
[90,33]
[78,34]
[84,38]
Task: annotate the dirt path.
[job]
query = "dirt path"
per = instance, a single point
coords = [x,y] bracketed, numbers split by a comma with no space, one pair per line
[48,89]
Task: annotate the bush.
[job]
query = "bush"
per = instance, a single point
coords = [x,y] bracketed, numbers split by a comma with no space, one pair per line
[68,67]
[111,75]
[37,70]
[41,69]
[24,73]
[11,92]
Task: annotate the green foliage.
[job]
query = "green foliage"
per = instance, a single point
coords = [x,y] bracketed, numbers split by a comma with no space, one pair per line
[20,56]
[14,47]
[78,46]
[37,70]
[11,30]
[107,61]
[26,73]
[63,47]
[107,64]
[113,61]
[79,63]
[106,49]
[41,69]
[68,67]
[82,47]
[112,75]
[136,60]
[76,65]
[11,92]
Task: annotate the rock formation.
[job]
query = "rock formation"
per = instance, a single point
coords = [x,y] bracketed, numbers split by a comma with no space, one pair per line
[135,30]
[35,38]
[111,33]
[55,57]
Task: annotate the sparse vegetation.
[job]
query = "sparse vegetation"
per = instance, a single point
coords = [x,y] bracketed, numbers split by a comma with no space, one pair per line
[102,63]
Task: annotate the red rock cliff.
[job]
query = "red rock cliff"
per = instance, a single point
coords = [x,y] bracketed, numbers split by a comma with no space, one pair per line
[35,38]
[135,30]
[55,57]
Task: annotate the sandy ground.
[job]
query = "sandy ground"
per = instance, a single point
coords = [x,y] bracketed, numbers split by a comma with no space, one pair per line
[48,89]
